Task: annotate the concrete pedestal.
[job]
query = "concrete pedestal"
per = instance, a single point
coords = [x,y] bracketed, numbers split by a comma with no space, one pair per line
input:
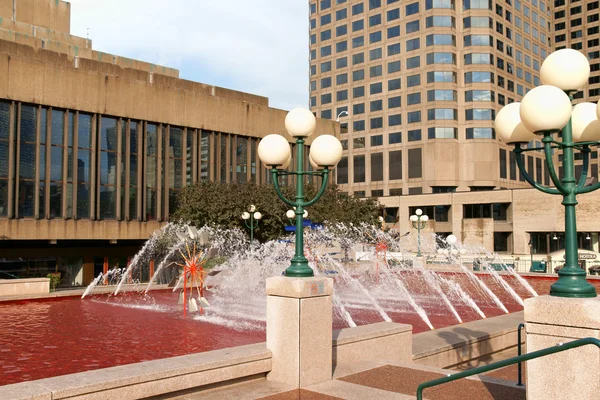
[299,333]
[572,374]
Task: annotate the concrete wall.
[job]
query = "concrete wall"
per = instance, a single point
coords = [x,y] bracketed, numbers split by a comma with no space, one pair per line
[21,287]
[55,15]
[529,211]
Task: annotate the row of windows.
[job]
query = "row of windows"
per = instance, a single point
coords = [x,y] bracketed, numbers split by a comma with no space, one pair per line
[416,135]
[70,164]
[393,170]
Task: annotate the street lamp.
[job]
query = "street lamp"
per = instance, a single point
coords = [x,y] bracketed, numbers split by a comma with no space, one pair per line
[544,111]
[325,153]
[251,220]
[418,222]
[340,115]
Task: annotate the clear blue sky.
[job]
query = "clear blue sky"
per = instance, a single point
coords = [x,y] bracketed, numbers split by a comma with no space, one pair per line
[256,46]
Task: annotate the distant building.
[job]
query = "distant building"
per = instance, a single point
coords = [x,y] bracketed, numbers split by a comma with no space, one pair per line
[95,147]
[422,81]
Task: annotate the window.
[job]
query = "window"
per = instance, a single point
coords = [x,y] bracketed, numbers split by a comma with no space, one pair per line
[358,25]
[358,58]
[412,8]
[481,133]
[357,9]
[341,30]
[342,171]
[358,143]
[441,76]
[108,162]
[479,58]
[375,20]
[439,21]
[376,167]
[413,98]
[341,62]
[374,4]
[393,14]
[375,54]
[376,123]
[376,105]
[393,49]
[393,66]
[359,169]
[393,32]
[341,14]
[442,114]
[393,84]
[358,75]
[326,51]
[413,80]
[358,126]
[442,133]
[395,165]
[394,138]
[413,62]
[341,46]
[413,117]
[325,83]
[394,120]
[341,95]
[477,4]
[479,95]
[412,26]
[326,98]
[412,44]
[443,40]
[479,114]
[478,22]
[414,163]
[326,35]
[358,109]
[429,4]
[376,70]
[441,58]
[325,19]
[414,135]
[441,95]
[341,79]
[502,156]
[358,41]
[394,102]
[358,91]
[477,211]
[376,140]
[376,88]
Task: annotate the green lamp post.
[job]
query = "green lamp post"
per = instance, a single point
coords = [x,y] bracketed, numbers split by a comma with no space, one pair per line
[251,220]
[325,152]
[419,221]
[545,111]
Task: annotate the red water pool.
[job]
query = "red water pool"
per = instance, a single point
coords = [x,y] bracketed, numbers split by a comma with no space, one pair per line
[45,338]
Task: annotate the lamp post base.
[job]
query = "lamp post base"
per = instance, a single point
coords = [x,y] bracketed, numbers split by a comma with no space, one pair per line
[572,283]
[299,269]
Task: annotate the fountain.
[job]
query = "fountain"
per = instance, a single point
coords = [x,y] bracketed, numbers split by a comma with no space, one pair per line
[385,283]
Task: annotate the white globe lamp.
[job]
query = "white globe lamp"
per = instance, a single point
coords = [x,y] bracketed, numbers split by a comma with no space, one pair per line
[274,150]
[300,122]
[509,127]
[567,69]
[545,109]
[326,150]
[585,124]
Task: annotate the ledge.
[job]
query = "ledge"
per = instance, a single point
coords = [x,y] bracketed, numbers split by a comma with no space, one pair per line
[150,378]
[366,332]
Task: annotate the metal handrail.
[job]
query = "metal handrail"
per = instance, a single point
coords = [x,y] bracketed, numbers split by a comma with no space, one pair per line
[519,349]
[505,363]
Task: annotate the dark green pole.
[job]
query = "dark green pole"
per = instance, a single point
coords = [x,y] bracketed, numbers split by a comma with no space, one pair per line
[571,279]
[299,267]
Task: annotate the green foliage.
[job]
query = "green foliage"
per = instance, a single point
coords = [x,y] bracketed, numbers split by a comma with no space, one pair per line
[211,203]
[54,280]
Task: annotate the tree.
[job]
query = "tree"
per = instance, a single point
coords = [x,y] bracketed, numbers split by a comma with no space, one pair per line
[211,203]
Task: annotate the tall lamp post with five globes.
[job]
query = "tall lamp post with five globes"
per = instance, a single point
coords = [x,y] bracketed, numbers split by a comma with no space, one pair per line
[325,152]
[545,111]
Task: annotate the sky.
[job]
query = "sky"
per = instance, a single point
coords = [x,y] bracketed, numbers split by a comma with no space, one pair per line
[255,46]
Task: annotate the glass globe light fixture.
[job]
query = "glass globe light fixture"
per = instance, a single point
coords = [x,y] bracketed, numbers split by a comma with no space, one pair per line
[586,127]
[257,215]
[419,212]
[509,127]
[290,214]
[414,218]
[425,218]
[274,150]
[300,122]
[567,69]
[245,215]
[305,214]
[545,109]
[326,150]
[252,208]
[451,240]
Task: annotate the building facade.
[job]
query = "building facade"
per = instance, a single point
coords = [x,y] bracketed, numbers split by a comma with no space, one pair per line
[421,82]
[94,148]
[522,222]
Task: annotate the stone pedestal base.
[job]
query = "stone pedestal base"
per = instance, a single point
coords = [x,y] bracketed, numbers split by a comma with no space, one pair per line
[299,333]
[572,374]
